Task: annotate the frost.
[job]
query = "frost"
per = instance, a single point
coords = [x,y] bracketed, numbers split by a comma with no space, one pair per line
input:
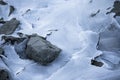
[72,29]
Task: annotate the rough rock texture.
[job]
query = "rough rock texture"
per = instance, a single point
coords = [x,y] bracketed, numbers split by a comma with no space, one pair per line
[9,27]
[1,51]
[40,50]
[4,74]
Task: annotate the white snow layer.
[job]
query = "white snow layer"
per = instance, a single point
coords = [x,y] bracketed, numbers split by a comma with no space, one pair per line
[77,35]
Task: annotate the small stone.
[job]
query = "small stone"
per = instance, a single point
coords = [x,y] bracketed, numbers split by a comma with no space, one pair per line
[12,9]
[94,14]
[9,27]
[2,21]
[96,63]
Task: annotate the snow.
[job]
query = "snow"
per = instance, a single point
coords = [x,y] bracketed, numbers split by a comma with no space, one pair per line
[77,35]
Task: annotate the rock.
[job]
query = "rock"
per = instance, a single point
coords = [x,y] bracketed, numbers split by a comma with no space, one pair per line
[109,58]
[20,34]
[41,50]
[116,8]
[94,14]
[2,21]
[2,2]
[12,9]
[1,51]
[96,63]
[12,40]
[90,1]
[9,27]
[4,75]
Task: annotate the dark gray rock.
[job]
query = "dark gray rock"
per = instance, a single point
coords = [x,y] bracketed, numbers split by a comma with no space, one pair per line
[41,50]
[94,14]
[115,9]
[20,34]
[9,27]
[12,40]
[2,2]
[96,63]
[12,9]
[1,51]
[2,21]
[4,75]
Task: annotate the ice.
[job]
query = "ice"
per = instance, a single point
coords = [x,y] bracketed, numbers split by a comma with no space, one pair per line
[74,31]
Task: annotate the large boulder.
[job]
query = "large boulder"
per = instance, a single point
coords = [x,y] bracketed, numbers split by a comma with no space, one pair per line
[4,75]
[9,27]
[41,50]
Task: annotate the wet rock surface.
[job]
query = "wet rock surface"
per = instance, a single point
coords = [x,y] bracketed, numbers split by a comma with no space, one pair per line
[41,50]
[9,27]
